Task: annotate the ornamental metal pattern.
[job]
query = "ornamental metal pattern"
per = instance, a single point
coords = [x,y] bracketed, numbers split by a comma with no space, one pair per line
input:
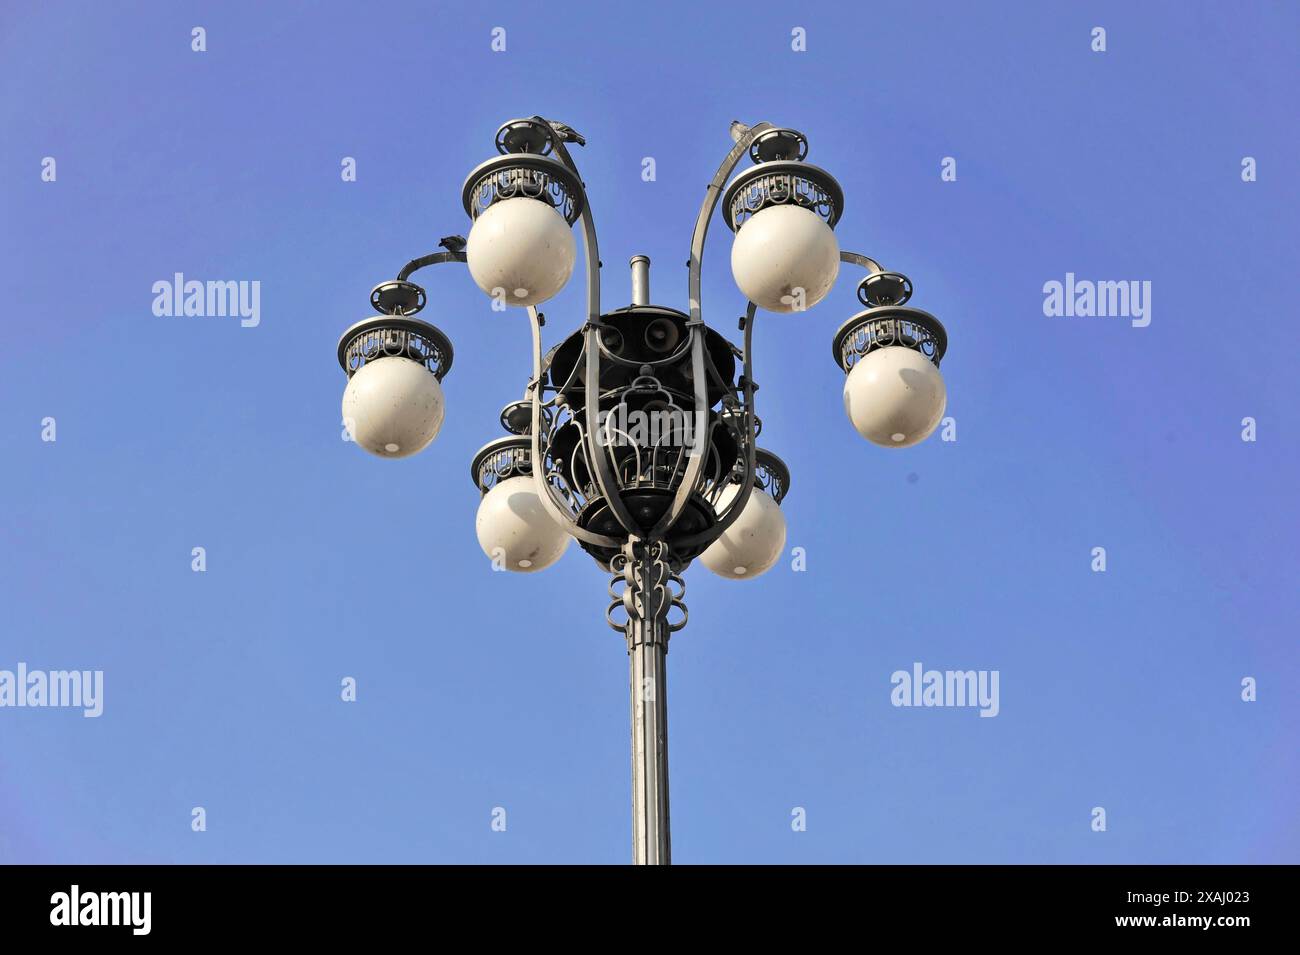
[388,342]
[648,433]
[514,182]
[647,593]
[781,188]
[771,476]
[878,333]
[650,454]
[560,463]
[501,465]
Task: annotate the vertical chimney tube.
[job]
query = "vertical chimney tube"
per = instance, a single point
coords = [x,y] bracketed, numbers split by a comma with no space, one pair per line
[640,279]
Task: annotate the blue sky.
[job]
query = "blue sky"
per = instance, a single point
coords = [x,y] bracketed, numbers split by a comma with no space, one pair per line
[479,689]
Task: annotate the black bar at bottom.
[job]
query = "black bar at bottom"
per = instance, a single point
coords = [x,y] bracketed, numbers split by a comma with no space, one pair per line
[96,904]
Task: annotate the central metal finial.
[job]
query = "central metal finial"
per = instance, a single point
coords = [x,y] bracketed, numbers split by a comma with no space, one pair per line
[640,279]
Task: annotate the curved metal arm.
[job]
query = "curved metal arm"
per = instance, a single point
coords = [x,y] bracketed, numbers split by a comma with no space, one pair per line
[599,462]
[433,258]
[696,324]
[711,196]
[857,258]
[403,298]
[742,498]
[542,486]
[601,465]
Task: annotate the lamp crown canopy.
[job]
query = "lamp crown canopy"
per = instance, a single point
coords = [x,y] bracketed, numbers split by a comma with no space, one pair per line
[524,136]
[779,144]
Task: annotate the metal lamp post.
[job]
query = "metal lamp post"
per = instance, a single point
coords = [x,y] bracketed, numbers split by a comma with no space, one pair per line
[637,435]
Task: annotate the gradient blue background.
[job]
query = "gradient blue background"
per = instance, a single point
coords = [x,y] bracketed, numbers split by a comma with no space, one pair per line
[480,689]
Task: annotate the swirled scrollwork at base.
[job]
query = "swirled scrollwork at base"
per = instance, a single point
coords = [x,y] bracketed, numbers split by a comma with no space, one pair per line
[645,570]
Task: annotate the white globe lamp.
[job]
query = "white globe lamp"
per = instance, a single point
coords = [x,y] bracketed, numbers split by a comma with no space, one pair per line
[521,249]
[393,405]
[895,397]
[894,393]
[785,257]
[754,541]
[515,529]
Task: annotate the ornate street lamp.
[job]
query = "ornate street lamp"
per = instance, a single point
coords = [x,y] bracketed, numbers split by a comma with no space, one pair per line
[637,435]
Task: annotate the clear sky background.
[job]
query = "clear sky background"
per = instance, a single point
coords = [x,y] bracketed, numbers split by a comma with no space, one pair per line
[479,689]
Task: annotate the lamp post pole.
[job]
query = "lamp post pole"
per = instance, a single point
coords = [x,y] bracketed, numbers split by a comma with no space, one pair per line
[648,600]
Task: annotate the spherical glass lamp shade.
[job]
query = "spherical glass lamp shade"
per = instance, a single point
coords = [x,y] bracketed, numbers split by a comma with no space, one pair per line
[753,542]
[521,250]
[895,396]
[515,530]
[393,407]
[785,258]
